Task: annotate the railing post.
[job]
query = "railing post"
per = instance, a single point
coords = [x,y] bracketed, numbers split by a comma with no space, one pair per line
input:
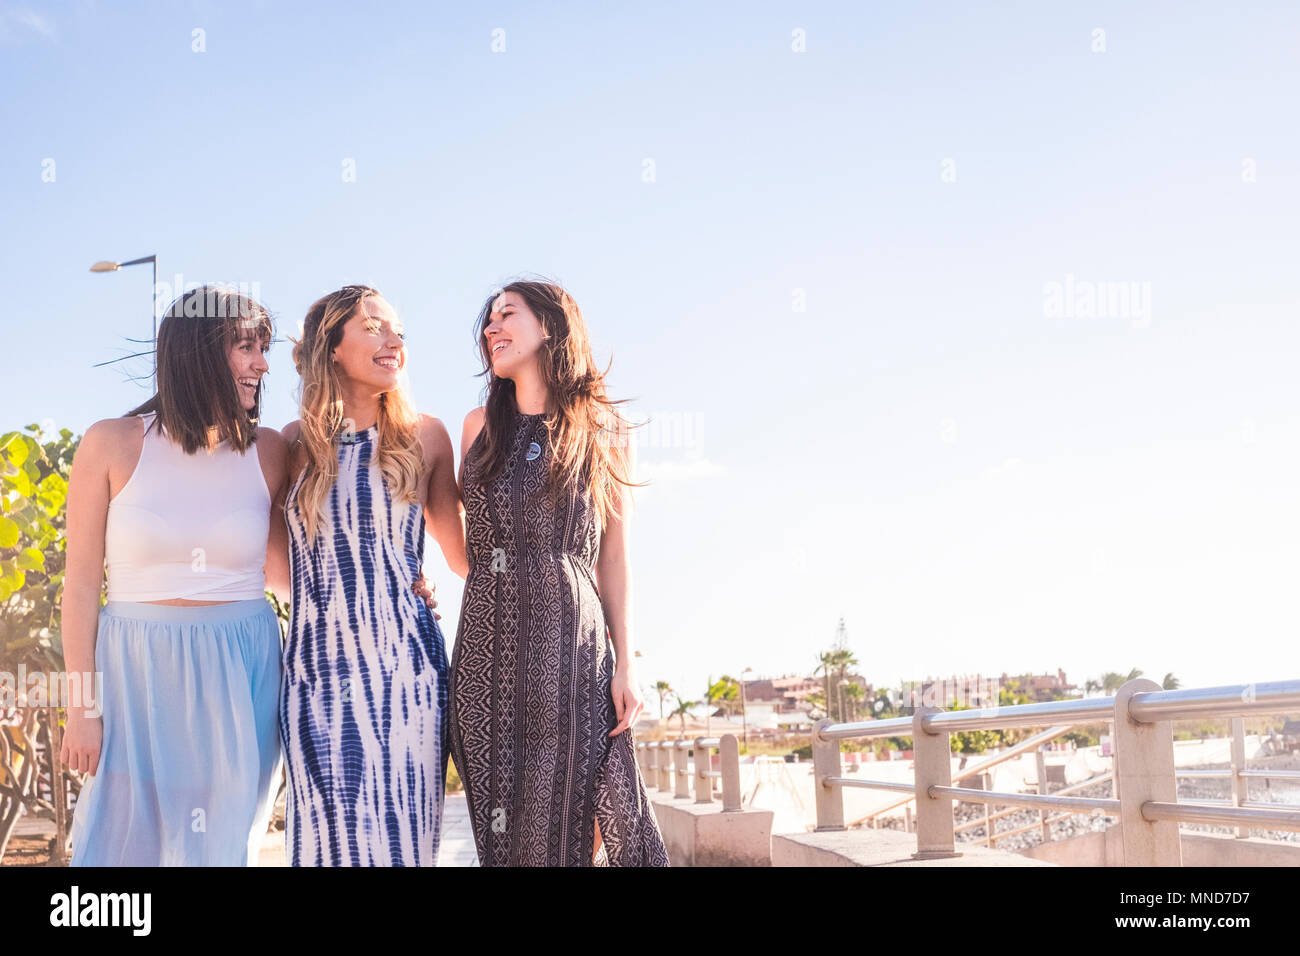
[934,825]
[826,763]
[730,753]
[1239,783]
[1145,770]
[703,783]
[683,777]
[1042,788]
[665,765]
[652,763]
[907,818]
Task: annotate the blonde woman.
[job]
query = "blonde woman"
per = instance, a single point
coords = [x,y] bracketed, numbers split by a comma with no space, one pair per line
[365,691]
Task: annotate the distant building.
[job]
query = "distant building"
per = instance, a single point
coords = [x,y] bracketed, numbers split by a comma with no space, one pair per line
[976,690]
[786,693]
[1043,686]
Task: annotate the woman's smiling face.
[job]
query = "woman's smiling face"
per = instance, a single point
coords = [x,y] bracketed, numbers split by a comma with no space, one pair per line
[247,358]
[513,335]
[372,352]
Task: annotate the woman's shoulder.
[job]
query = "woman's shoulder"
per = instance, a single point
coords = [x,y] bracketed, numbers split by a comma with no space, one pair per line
[111,434]
[434,439]
[472,428]
[291,432]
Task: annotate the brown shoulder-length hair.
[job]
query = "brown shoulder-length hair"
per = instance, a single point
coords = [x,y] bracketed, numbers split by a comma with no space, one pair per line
[196,391]
[320,408]
[587,433]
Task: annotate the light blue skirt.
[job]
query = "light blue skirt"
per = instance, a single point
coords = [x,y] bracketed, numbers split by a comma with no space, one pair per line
[190,760]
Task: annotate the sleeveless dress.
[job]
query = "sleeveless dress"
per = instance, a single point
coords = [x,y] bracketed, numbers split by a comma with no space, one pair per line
[365,691]
[531,709]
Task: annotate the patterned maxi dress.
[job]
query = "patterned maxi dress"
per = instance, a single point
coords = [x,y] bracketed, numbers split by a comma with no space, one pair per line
[531,709]
[365,691]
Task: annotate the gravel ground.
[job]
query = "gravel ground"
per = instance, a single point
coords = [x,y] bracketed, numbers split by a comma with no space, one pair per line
[1277,791]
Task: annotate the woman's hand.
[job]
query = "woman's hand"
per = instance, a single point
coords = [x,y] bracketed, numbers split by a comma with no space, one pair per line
[424,590]
[627,699]
[82,740]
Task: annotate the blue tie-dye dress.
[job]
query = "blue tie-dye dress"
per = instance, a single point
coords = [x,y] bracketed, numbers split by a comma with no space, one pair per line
[364,694]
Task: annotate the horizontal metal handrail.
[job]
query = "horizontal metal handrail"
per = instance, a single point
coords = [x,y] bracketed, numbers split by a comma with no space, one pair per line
[1235,700]
[1032,800]
[1278,774]
[891,727]
[1147,706]
[1078,710]
[1154,811]
[870,784]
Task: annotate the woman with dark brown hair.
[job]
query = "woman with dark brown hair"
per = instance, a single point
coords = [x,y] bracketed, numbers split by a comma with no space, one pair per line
[543,692]
[173,500]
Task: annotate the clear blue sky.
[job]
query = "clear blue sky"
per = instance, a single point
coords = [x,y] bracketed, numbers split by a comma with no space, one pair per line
[973,481]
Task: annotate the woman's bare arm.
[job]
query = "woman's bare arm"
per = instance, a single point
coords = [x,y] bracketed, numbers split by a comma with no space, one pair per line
[272,451]
[614,582]
[89,493]
[443,511]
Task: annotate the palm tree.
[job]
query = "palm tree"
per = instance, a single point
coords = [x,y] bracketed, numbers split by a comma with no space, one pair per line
[1111,682]
[682,711]
[854,692]
[826,665]
[663,689]
[1171,682]
[727,693]
[844,659]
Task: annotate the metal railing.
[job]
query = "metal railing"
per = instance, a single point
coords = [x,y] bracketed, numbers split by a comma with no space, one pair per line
[1145,781]
[665,765]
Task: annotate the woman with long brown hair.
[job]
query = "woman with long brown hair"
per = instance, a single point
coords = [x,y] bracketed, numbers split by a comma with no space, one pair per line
[365,691]
[543,692]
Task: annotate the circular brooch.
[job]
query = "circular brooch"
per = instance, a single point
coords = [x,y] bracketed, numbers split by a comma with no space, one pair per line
[534,450]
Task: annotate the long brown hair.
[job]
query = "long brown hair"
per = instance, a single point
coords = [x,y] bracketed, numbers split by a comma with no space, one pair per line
[587,433]
[196,391]
[320,407]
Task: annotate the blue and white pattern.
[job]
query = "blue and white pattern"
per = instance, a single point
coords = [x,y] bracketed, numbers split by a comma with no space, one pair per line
[364,696]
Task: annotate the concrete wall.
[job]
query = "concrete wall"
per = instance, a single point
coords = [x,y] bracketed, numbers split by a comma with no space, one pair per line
[700,834]
[879,848]
[1104,848]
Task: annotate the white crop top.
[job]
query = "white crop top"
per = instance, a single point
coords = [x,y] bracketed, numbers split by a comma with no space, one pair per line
[188,526]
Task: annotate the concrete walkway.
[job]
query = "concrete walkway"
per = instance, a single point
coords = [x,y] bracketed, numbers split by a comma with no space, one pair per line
[456,848]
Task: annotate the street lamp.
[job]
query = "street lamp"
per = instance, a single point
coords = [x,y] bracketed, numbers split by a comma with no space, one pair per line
[104,265]
[744,725]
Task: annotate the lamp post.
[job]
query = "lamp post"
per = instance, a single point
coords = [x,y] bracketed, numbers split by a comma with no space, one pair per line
[744,724]
[105,265]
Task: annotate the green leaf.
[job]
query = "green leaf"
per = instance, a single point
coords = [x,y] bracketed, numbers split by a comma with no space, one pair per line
[14,578]
[29,559]
[8,532]
[20,483]
[14,448]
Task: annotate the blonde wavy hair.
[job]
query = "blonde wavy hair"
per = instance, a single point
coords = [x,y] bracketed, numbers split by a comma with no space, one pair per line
[320,408]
